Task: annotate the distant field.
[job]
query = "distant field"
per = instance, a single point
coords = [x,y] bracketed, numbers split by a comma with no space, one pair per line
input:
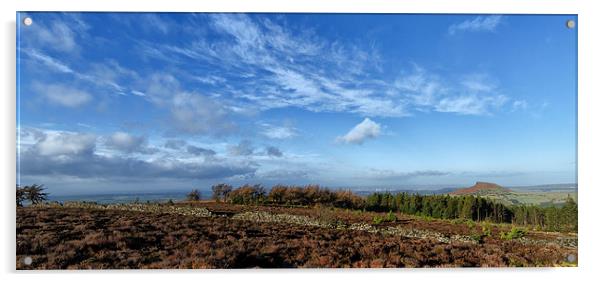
[529,198]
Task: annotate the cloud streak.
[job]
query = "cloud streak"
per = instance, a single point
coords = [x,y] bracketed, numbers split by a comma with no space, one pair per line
[480,23]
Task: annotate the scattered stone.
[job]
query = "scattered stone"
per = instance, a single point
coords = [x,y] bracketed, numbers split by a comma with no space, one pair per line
[260,216]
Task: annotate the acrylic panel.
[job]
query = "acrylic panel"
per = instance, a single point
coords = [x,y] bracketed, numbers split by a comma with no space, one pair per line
[295,140]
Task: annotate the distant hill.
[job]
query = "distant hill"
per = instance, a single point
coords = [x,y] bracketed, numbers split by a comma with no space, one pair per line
[482,189]
[544,195]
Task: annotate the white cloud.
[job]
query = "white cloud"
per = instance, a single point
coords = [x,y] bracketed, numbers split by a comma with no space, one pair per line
[138,93]
[290,68]
[62,153]
[519,105]
[472,94]
[55,35]
[107,75]
[55,144]
[480,23]
[190,112]
[127,143]
[62,95]
[470,104]
[479,82]
[278,132]
[385,174]
[366,129]
[48,61]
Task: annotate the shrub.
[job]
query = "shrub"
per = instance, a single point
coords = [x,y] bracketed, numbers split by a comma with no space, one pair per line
[391,217]
[471,224]
[458,221]
[486,228]
[194,195]
[377,219]
[514,233]
[485,232]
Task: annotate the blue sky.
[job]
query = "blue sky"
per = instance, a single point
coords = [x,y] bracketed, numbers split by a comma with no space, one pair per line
[115,102]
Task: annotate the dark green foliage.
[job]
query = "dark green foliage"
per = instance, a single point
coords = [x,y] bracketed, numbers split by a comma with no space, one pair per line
[377,220]
[514,233]
[391,217]
[194,195]
[471,208]
[549,218]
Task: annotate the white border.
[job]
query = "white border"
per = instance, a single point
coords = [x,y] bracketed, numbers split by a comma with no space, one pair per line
[589,114]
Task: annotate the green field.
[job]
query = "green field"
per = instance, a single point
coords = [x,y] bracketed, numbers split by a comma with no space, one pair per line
[529,198]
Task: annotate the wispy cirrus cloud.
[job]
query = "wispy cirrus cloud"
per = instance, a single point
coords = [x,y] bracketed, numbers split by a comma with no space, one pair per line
[471,94]
[290,68]
[479,23]
[470,104]
[108,75]
[386,174]
[50,62]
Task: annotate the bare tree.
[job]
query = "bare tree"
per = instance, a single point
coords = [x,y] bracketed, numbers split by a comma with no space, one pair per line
[194,195]
[221,191]
[34,194]
[20,196]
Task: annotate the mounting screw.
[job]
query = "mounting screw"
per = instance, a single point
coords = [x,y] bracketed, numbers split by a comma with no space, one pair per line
[570,24]
[27,260]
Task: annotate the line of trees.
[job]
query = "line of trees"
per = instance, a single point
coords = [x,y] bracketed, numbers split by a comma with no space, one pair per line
[294,195]
[549,218]
[478,209]
[440,206]
[437,206]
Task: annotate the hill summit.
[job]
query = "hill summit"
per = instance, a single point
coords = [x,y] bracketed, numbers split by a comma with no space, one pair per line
[481,188]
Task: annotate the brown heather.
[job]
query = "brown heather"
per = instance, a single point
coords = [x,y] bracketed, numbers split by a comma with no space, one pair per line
[91,238]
